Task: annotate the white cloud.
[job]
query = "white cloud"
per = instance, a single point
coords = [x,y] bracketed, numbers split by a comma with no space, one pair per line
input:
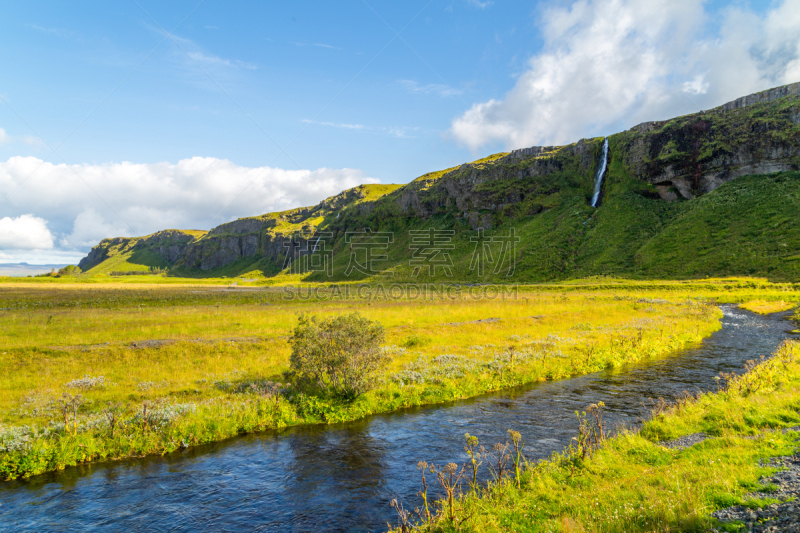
[610,64]
[4,137]
[479,4]
[26,232]
[697,86]
[90,227]
[431,88]
[125,199]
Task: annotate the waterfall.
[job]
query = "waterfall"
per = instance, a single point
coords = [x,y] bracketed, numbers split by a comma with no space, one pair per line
[598,179]
[314,250]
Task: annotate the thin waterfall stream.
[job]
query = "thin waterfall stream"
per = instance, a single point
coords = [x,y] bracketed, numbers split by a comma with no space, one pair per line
[601,170]
[342,477]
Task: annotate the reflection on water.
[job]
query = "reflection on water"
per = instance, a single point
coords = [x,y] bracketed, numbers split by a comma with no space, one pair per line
[341,478]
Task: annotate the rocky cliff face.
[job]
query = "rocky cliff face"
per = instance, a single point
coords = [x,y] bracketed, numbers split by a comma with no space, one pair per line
[240,241]
[475,191]
[695,154]
[100,253]
[171,245]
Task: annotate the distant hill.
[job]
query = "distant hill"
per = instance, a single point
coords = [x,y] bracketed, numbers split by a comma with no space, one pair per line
[713,193]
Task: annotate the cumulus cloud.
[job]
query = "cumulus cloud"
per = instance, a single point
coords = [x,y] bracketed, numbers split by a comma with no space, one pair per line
[86,203]
[609,64]
[25,232]
[4,137]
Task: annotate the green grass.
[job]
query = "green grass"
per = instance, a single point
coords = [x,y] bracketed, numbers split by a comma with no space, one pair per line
[130,261]
[746,226]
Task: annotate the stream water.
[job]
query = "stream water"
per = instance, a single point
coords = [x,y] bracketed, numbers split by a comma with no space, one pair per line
[342,477]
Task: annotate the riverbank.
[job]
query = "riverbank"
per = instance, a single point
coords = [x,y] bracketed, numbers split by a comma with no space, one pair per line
[700,455]
[190,381]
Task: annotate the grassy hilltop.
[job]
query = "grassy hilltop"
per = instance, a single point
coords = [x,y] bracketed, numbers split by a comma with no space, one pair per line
[709,194]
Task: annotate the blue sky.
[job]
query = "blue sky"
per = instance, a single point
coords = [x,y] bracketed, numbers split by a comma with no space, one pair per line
[192,113]
[284,63]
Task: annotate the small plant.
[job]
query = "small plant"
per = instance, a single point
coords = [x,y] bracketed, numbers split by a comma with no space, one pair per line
[591,433]
[63,404]
[475,455]
[77,401]
[660,406]
[338,355]
[112,413]
[516,458]
[450,479]
[142,417]
[68,403]
[501,458]
[422,466]
[402,515]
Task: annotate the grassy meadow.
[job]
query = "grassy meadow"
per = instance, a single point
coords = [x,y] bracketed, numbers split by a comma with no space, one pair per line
[97,370]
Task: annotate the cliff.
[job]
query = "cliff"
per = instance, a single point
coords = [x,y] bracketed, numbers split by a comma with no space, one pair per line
[695,154]
[161,249]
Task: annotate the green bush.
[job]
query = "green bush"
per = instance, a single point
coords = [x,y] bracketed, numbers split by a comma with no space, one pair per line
[337,355]
[69,270]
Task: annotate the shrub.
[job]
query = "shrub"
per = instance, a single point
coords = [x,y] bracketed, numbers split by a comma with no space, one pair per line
[69,270]
[338,355]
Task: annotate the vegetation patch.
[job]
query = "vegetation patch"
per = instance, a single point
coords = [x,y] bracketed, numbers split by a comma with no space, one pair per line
[764,307]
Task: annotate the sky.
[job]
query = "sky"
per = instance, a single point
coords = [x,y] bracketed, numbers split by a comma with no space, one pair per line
[122,118]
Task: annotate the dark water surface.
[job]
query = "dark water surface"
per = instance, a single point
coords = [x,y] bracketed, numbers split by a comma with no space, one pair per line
[341,478]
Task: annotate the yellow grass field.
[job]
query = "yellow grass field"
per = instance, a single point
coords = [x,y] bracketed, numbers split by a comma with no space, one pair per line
[139,346]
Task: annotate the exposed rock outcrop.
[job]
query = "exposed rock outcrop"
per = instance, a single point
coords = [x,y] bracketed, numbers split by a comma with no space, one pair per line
[171,245]
[472,188]
[695,154]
